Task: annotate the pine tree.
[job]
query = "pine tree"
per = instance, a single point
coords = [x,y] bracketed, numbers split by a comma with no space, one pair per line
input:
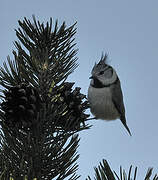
[40,112]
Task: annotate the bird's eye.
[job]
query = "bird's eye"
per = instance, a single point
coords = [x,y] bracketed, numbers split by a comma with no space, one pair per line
[101,72]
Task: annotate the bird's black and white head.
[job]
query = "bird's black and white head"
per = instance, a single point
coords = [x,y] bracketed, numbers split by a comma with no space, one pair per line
[103,74]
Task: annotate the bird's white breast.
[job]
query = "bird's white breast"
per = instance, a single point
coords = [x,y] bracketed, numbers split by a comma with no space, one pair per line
[101,103]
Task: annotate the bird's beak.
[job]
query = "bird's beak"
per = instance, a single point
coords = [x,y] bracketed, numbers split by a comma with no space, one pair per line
[92,77]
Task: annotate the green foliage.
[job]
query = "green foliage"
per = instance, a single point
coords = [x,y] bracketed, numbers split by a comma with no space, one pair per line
[42,54]
[44,58]
[104,172]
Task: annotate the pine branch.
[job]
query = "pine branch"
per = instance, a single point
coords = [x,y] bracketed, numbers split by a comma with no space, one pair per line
[40,113]
[104,172]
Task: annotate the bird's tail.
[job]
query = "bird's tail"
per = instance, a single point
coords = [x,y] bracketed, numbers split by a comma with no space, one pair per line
[123,120]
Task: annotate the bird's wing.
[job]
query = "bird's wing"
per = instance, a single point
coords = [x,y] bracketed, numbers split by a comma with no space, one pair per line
[117,98]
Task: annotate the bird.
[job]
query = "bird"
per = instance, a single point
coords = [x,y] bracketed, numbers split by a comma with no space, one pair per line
[105,94]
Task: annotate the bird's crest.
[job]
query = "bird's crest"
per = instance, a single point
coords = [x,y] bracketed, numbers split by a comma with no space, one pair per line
[102,62]
[103,59]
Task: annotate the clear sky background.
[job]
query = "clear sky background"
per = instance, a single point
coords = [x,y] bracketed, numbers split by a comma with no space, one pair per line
[128,31]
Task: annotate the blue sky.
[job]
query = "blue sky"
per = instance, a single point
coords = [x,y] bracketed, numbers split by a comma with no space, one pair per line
[128,32]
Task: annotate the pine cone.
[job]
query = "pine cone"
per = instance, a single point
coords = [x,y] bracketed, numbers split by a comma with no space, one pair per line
[71,105]
[21,105]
